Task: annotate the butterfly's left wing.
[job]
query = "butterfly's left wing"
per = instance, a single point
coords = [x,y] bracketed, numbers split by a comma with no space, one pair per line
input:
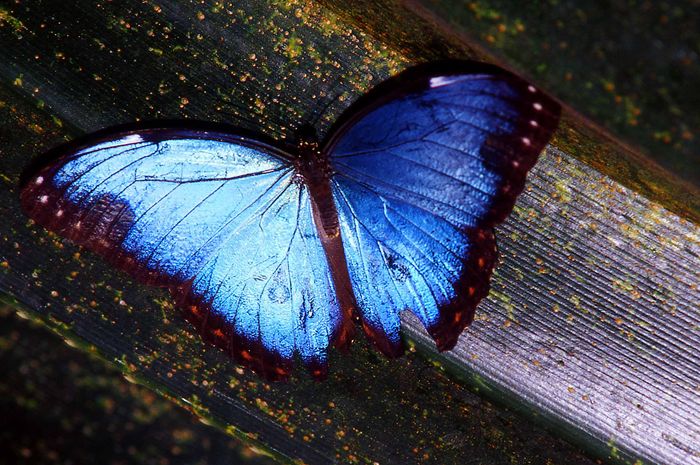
[425,166]
[219,219]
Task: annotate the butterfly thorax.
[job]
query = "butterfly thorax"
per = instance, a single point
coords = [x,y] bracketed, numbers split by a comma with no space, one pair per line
[314,170]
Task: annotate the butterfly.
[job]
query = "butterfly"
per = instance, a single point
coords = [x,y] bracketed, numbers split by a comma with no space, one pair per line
[277,251]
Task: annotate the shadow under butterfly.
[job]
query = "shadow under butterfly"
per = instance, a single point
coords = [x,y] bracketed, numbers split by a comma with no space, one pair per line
[275,251]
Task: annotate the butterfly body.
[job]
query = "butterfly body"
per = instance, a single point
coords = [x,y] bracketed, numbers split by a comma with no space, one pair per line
[274,251]
[313,167]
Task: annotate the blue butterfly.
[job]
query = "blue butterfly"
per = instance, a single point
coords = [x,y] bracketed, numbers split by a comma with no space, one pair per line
[275,250]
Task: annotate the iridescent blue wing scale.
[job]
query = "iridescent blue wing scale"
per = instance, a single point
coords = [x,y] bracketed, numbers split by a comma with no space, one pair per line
[220,219]
[425,166]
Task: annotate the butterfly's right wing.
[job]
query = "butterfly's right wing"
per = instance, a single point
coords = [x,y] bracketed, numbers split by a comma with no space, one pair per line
[217,218]
[426,165]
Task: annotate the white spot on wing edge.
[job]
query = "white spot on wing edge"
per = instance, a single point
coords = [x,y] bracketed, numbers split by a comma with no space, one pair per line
[132,139]
[39,180]
[440,81]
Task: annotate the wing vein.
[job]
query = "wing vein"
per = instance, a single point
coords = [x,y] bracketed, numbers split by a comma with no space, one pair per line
[398,188]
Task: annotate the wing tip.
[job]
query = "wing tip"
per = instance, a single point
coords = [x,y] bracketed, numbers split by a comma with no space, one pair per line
[539,121]
[100,226]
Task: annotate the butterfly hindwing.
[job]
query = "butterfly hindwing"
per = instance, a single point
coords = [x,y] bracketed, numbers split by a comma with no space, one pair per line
[425,166]
[401,257]
[217,218]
